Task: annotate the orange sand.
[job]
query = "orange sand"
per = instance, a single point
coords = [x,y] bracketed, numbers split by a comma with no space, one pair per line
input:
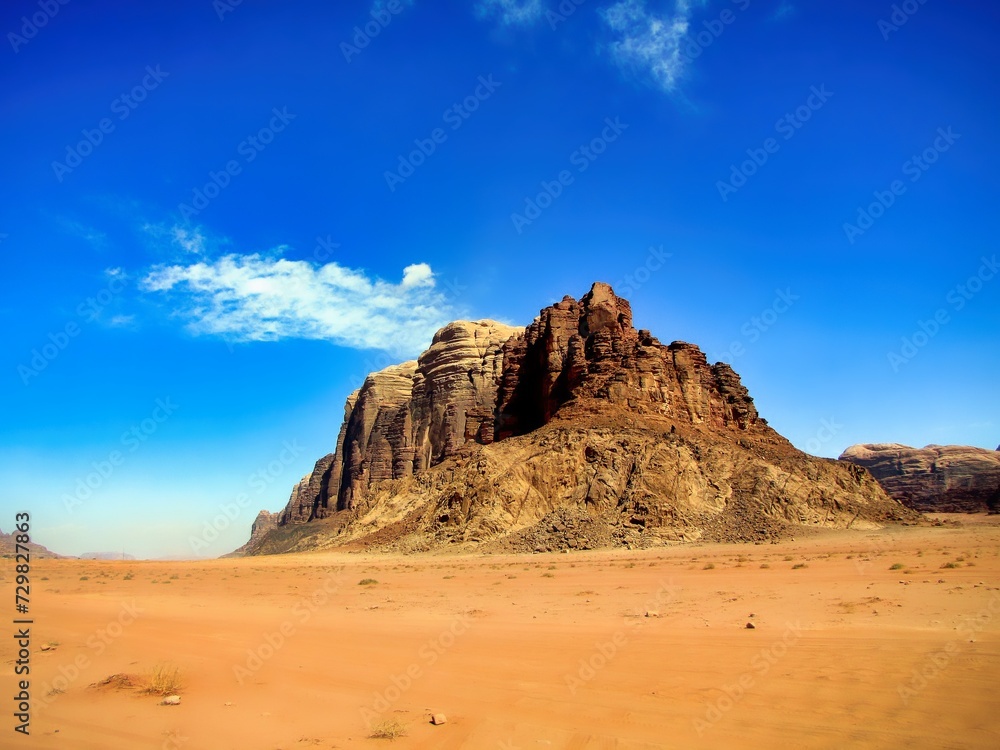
[544,651]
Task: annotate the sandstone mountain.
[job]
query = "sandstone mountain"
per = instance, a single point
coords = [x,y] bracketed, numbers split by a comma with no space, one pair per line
[8,548]
[578,431]
[943,478]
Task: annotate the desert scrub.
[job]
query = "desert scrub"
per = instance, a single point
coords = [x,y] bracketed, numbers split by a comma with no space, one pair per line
[367,582]
[799,565]
[896,566]
[163,679]
[387,729]
[708,566]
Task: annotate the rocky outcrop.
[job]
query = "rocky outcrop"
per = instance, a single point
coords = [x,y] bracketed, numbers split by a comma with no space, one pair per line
[8,548]
[577,431]
[590,349]
[407,418]
[263,525]
[942,478]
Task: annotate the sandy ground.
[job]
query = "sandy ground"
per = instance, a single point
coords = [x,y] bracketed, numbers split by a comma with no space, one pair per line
[535,652]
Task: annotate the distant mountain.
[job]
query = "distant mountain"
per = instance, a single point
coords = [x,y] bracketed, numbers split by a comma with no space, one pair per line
[577,432]
[942,478]
[8,548]
[106,556]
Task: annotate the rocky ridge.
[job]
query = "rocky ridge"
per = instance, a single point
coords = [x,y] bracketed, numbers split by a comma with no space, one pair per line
[8,548]
[936,478]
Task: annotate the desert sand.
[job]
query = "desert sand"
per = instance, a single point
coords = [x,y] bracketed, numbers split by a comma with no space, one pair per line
[878,639]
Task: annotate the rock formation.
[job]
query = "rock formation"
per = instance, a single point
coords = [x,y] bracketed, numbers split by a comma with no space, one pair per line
[577,431]
[408,417]
[8,548]
[942,478]
[263,524]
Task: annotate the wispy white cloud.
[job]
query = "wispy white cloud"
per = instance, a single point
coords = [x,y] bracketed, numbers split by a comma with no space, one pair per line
[268,298]
[186,239]
[190,240]
[511,12]
[648,44]
[97,239]
[122,321]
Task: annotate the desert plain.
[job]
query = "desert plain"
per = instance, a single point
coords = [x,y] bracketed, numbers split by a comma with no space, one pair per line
[863,639]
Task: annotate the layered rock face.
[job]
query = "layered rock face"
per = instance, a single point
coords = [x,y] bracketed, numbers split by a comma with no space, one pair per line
[408,417]
[942,478]
[577,431]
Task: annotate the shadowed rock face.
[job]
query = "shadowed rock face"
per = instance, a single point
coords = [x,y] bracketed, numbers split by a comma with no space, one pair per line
[590,349]
[494,431]
[942,478]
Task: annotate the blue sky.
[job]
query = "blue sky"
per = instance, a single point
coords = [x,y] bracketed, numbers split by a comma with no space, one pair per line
[217,217]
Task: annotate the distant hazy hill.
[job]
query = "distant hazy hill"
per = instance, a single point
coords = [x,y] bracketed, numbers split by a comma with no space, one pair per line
[7,548]
[106,556]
